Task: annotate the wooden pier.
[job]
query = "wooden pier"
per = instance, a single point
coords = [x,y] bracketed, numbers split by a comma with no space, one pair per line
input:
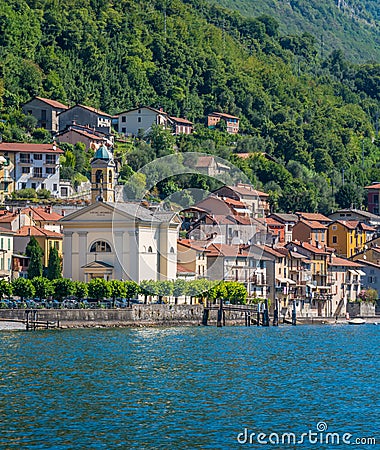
[32,322]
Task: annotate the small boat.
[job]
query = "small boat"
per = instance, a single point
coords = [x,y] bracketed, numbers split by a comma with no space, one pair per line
[357,321]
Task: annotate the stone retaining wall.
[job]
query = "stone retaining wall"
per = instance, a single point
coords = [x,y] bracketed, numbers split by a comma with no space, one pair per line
[137,315]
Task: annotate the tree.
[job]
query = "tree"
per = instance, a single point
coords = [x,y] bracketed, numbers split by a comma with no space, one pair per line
[80,290]
[236,292]
[23,288]
[164,289]
[132,289]
[43,287]
[148,287]
[6,289]
[63,288]
[54,268]
[179,289]
[99,289]
[34,251]
[117,288]
[162,140]
[349,195]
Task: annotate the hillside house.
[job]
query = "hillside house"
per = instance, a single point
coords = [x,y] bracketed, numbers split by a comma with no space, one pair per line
[46,112]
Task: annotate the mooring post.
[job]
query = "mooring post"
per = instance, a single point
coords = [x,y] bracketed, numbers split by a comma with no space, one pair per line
[249,318]
[27,319]
[258,314]
[34,319]
[294,314]
[205,316]
[275,313]
[220,314]
[266,315]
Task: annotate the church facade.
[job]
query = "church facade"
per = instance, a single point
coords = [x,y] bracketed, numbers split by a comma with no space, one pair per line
[119,241]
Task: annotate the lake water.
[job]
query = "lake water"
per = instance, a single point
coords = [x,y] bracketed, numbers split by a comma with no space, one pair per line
[185,388]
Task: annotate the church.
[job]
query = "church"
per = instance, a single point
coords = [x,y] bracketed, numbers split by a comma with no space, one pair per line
[118,240]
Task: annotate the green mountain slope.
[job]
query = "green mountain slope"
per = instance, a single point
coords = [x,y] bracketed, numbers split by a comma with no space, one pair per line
[350,25]
[316,116]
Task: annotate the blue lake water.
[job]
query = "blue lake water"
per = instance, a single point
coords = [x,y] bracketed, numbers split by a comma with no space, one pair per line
[185,388]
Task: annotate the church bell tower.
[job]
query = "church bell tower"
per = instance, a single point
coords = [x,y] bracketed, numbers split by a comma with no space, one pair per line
[103,176]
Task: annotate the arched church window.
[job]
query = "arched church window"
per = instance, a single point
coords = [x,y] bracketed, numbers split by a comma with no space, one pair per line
[110,176]
[100,247]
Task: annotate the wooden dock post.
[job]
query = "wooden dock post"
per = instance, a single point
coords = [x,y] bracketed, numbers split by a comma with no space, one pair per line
[206,312]
[249,318]
[258,314]
[294,314]
[220,314]
[266,315]
[27,320]
[275,313]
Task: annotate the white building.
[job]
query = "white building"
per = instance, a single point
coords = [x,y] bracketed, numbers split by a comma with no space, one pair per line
[33,165]
[143,118]
[121,241]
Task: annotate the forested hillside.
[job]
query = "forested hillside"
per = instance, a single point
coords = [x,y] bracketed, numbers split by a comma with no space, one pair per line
[315,115]
[350,25]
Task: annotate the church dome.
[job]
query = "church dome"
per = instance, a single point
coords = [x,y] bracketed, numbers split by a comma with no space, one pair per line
[103,153]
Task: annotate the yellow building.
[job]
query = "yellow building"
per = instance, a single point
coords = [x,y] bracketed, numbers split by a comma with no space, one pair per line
[192,256]
[349,237]
[46,239]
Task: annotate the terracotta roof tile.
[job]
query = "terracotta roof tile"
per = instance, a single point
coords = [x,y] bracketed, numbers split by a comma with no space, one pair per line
[38,231]
[23,147]
[42,214]
[313,216]
[52,103]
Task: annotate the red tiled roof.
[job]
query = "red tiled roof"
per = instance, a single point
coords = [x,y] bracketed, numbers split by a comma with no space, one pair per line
[181,120]
[90,108]
[353,224]
[312,248]
[204,161]
[85,134]
[249,191]
[226,250]
[227,116]
[273,251]
[42,214]
[273,222]
[336,261]
[6,231]
[52,103]
[38,231]
[313,224]
[373,186]
[313,216]
[23,147]
[7,217]
[182,269]
[238,203]
[193,244]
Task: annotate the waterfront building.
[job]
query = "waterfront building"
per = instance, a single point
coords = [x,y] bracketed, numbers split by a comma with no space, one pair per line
[33,166]
[349,237]
[46,240]
[6,253]
[345,279]
[370,278]
[370,252]
[311,231]
[288,220]
[192,257]
[122,241]
[358,215]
